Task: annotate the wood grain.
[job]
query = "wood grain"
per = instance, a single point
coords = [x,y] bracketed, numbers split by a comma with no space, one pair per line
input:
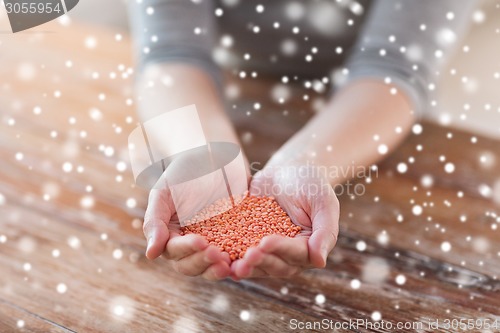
[76,228]
[148,293]
[14,318]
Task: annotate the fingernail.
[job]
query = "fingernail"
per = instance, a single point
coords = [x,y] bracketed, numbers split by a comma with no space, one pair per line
[207,260]
[324,252]
[150,243]
[249,273]
[218,274]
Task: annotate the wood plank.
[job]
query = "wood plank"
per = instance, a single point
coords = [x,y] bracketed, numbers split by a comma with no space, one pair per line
[460,283]
[386,211]
[100,284]
[420,295]
[476,159]
[13,318]
[310,296]
[473,241]
[437,145]
[420,257]
[427,285]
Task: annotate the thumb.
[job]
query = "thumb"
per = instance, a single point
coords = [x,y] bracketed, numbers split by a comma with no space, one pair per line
[325,231]
[156,219]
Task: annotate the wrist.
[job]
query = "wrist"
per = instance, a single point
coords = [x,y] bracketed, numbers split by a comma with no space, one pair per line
[165,87]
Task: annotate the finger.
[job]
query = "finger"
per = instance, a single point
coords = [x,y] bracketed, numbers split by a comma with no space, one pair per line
[325,230]
[257,273]
[183,246]
[242,268]
[217,271]
[246,270]
[270,264]
[276,267]
[293,251]
[156,218]
[198,262]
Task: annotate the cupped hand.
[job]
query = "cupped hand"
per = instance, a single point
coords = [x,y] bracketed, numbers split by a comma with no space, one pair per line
[310,201]
[192,254]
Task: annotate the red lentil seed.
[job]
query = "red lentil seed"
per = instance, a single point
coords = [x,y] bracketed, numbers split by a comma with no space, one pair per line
[243,226]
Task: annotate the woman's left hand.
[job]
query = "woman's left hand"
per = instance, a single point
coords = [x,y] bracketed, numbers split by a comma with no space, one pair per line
[310,201]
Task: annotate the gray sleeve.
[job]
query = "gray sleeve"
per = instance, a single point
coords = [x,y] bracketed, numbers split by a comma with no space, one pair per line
[408,41]
[174,31]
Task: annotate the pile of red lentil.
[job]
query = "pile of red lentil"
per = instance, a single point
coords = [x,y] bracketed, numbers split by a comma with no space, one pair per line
[244,225]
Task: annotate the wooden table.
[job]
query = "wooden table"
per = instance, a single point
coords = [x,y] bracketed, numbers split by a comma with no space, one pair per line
[71,245]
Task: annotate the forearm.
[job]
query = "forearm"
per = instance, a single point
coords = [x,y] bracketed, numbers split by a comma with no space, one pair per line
[165,87]
[359,119]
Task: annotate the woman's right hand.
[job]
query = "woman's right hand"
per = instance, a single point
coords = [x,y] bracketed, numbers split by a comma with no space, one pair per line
[191,254]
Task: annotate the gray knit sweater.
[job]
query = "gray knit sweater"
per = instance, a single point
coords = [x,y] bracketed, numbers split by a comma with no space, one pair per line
[403,40]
